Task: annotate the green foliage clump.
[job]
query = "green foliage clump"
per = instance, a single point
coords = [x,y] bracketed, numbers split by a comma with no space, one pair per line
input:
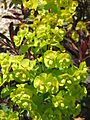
[8,115]
[48,85]
[51,90]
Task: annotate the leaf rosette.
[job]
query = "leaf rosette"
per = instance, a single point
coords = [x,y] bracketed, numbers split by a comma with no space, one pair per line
[46,83]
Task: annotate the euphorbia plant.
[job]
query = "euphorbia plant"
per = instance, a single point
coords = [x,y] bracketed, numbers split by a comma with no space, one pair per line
[47,84]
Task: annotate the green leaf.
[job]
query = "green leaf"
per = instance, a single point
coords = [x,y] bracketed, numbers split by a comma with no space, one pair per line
[24,49]
[28,64]
[52,6]
[4,107]
[5,92]
[17,40]
[25,63]
[20,35]
[52,114]
[16,2]
[31,4]
[83,66]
